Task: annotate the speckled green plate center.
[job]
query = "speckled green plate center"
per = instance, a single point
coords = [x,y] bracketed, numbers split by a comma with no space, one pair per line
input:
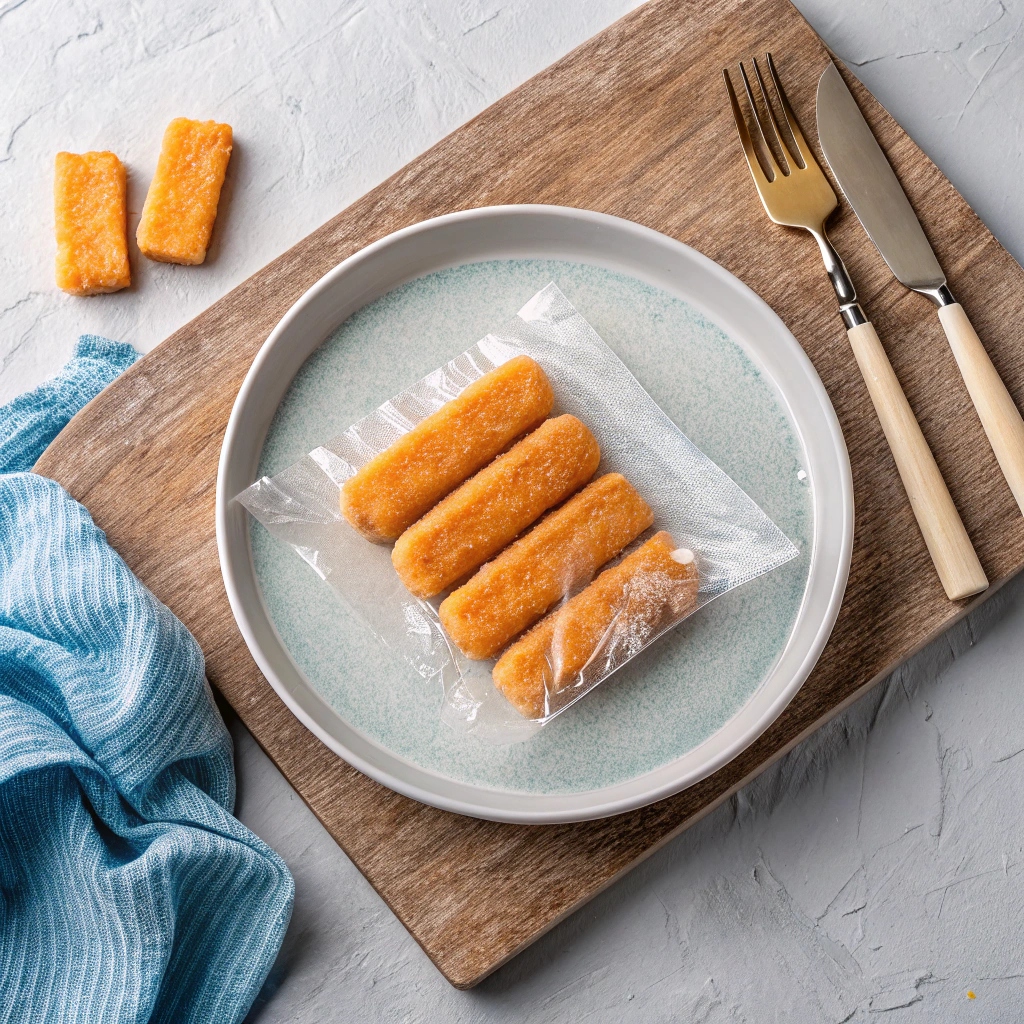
[663,703]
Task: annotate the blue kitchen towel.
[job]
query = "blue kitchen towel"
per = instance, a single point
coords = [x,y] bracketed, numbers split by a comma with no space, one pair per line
[34,419]
[128,893]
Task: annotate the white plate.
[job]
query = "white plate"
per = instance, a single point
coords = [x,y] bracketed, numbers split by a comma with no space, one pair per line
[581,237]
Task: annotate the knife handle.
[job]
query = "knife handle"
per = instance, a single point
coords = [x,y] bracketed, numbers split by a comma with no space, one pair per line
[952,552]
[998,414]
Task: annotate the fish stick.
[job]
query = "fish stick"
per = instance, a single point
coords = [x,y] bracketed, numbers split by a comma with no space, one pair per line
[492,508]
[562,552]
[396,487]
[181,204]
[90,216]
[601,626]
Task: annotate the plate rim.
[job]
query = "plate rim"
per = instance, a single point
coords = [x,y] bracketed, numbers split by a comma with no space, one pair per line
[246,600]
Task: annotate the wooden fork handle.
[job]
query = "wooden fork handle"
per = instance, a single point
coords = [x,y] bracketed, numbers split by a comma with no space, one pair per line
[952,552]
[998,415]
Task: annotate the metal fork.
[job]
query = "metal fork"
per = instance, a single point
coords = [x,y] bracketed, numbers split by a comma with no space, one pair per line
[796,193]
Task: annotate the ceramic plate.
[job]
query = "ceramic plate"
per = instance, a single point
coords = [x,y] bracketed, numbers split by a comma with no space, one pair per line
[718,361]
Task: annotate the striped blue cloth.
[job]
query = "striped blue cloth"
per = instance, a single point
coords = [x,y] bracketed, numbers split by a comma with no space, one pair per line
[128,893]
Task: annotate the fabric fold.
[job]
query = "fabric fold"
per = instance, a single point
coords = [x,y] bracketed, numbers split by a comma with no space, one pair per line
[32,420]
[128,892]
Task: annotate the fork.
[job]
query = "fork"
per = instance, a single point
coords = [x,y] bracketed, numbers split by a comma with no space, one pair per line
[796,193]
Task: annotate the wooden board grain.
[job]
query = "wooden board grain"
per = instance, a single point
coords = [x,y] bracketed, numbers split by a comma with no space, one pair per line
[633,123]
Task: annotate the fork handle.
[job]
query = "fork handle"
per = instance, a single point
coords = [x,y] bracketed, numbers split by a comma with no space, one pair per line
[952,552]
[998,414]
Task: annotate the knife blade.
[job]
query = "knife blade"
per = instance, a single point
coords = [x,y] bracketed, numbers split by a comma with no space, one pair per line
[873,190]
[871,186]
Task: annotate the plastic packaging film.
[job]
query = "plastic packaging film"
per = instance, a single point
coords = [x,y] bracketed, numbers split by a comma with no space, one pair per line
[707,536]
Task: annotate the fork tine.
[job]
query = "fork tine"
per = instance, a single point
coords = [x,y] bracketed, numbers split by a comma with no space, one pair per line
[757,120]
[787,110]
[787,154]
[760,178]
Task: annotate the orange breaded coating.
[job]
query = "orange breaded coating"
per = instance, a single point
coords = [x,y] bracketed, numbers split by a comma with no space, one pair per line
[397,486]
[90,216]
[492,508]
[560,553]
[615,616]
[181,204]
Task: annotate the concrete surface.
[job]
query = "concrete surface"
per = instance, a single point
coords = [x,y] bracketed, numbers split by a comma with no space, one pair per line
[877,869]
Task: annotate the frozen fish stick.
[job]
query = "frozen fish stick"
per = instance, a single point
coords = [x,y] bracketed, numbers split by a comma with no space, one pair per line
[396,487]
[181,204]
[560,553]
[90,217]
[492,508]
[623,608]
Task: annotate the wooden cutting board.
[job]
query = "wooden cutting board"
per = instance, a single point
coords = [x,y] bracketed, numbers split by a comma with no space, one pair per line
[634,123]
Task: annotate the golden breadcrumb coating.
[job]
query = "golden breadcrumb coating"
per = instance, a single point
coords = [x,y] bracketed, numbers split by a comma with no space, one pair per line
[90,217]
[561,553]
[399,485]
[181,204]
[492,508]
[612,618]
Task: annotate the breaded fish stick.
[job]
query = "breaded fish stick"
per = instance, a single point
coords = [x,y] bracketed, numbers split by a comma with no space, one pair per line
[181,204]
[616,615]
[90,216]
[396,487]
[492,508]
[560,553]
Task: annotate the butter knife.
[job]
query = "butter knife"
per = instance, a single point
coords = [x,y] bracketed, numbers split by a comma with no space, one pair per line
[878,199]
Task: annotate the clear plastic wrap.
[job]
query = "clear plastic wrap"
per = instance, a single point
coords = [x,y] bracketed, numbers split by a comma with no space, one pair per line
[705,512]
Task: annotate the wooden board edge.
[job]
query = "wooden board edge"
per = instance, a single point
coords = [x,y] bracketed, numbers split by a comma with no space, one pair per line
[810,730]
[467,983]
[847,75]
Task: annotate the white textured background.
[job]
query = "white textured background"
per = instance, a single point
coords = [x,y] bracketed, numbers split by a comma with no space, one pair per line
[875,871]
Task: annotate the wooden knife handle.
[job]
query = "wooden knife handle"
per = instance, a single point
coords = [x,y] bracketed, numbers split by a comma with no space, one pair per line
[952,552]
[998,414]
